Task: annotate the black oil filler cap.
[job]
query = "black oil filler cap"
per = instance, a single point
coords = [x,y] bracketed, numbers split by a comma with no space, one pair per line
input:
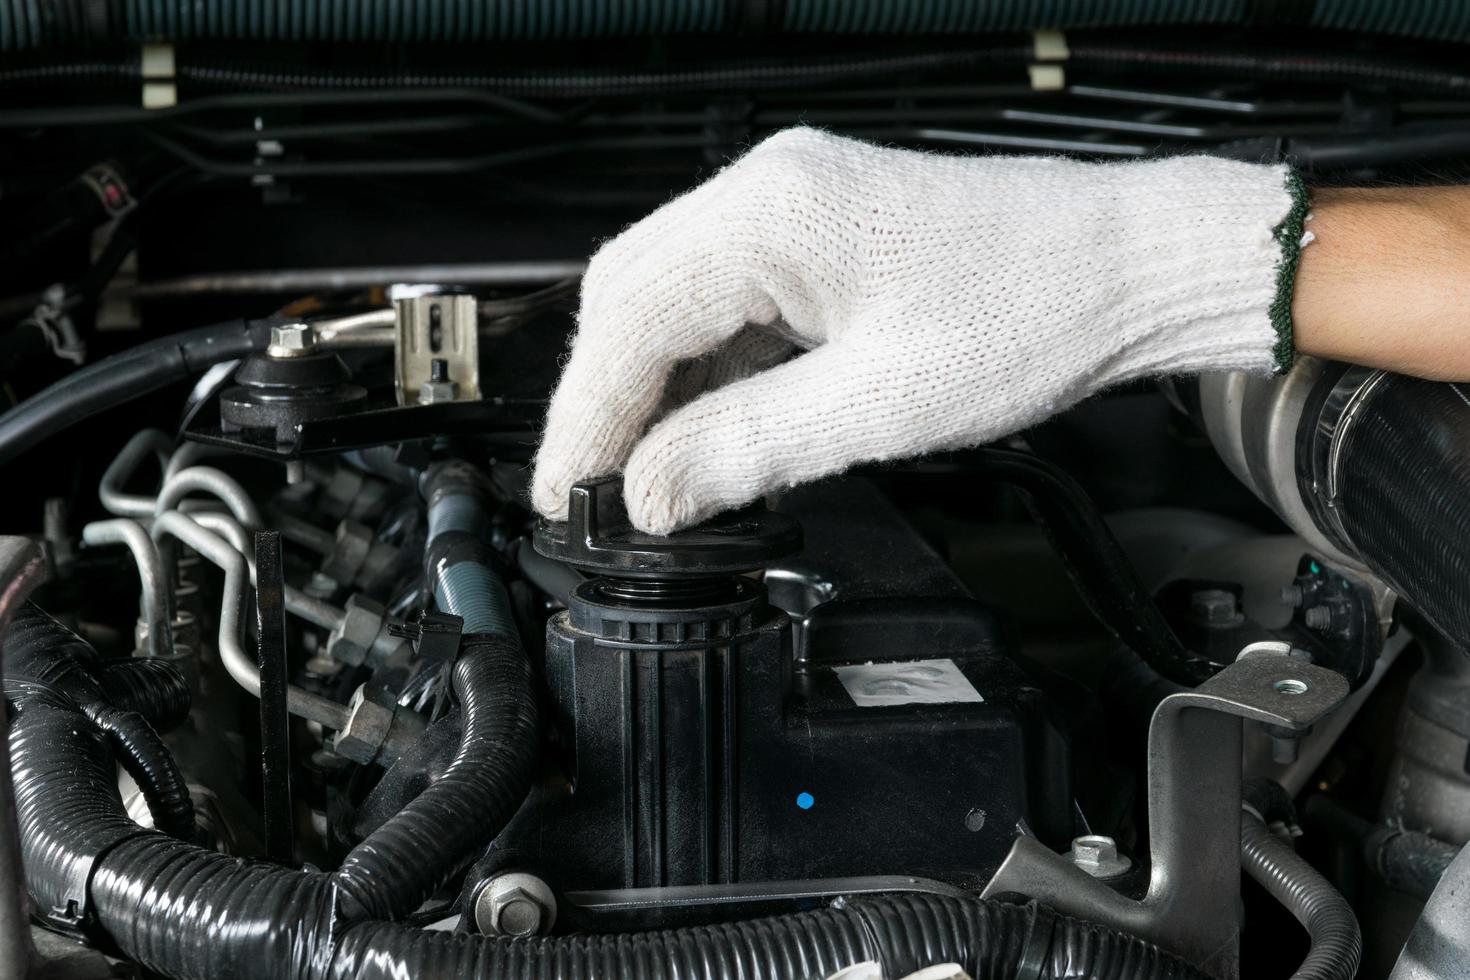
[598,537]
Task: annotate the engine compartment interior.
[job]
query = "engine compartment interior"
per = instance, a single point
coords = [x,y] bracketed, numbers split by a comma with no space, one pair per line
[1171,685]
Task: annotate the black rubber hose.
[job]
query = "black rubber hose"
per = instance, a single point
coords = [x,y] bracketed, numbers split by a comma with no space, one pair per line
[1337,944]
[404,861]
[118,379]
[41,651]
[1406,860]
[153,688]
[151,765]
[1096,563]
[1403,493]
[902,933]
[162,902]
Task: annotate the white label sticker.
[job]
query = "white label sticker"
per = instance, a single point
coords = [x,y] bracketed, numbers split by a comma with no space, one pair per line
[908,682]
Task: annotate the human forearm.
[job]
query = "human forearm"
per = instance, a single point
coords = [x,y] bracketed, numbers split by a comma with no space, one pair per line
[1386,280]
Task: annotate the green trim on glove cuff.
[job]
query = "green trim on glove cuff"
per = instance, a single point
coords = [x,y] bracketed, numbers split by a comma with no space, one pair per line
[1289,236]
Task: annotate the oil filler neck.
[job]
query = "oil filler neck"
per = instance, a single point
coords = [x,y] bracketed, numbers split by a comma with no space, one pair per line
[698,566]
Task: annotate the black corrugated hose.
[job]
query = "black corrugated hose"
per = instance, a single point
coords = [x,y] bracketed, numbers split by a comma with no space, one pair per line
[187,912]
[153,688]
[1337,944]
[43,655]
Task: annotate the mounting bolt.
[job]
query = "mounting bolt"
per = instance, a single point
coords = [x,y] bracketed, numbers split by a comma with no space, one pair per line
[1098,856]
[1285,744]
[1216,608]
[515,904]
[292,340]
[1292,595]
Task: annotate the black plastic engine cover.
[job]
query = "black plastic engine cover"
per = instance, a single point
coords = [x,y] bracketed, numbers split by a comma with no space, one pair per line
[702,745]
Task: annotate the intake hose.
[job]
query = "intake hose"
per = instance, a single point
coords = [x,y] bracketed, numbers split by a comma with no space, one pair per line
[460,567]
[1337,945]
[33,23]
[1383,466]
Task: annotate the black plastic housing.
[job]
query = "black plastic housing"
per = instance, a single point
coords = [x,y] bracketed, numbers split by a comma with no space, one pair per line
[699,744]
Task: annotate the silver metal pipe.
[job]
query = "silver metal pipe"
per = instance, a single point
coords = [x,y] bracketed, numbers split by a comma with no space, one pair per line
[316,611]
[122,468]
[156,601]
[186,455]
[216,483]
[239,664]
[361,277]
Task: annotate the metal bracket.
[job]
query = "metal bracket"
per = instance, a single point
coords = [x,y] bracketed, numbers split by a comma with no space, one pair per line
[1192,907]
[437,353]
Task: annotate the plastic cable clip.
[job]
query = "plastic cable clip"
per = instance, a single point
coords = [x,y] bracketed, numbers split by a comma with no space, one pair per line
[1048,50]
[156,63]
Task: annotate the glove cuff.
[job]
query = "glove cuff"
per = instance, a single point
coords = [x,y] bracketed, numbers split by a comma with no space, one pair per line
[1289,234]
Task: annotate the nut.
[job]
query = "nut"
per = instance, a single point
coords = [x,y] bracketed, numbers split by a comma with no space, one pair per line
[437,392]
[515,904]
[1098,856]
[292,340]
[349,552]
[353,639]
[366,730]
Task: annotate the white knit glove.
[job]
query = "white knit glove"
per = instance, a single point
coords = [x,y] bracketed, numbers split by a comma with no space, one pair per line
[943,301]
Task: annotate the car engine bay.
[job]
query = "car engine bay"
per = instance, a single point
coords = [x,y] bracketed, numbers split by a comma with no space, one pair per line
[1173,685]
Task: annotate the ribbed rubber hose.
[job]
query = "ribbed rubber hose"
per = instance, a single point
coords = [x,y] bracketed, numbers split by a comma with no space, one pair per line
[1337,944]
[902,933]
[41,651]
[1404,495]
[33,23]
[153,688]
[404,861]
[188,912]
[151,765]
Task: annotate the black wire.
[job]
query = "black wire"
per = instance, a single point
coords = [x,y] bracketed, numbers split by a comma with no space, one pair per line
[426,166]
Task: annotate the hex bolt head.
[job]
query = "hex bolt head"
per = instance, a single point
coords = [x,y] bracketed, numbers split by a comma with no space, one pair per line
[1216,608]
[1098,856]
[292,340]
[515,904]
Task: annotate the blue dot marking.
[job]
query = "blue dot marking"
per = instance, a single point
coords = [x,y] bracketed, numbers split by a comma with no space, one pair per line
[805,800]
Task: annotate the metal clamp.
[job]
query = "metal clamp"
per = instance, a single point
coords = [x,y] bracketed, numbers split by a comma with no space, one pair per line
[1192,907]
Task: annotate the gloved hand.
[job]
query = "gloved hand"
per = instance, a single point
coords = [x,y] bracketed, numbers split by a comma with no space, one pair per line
[941,301]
